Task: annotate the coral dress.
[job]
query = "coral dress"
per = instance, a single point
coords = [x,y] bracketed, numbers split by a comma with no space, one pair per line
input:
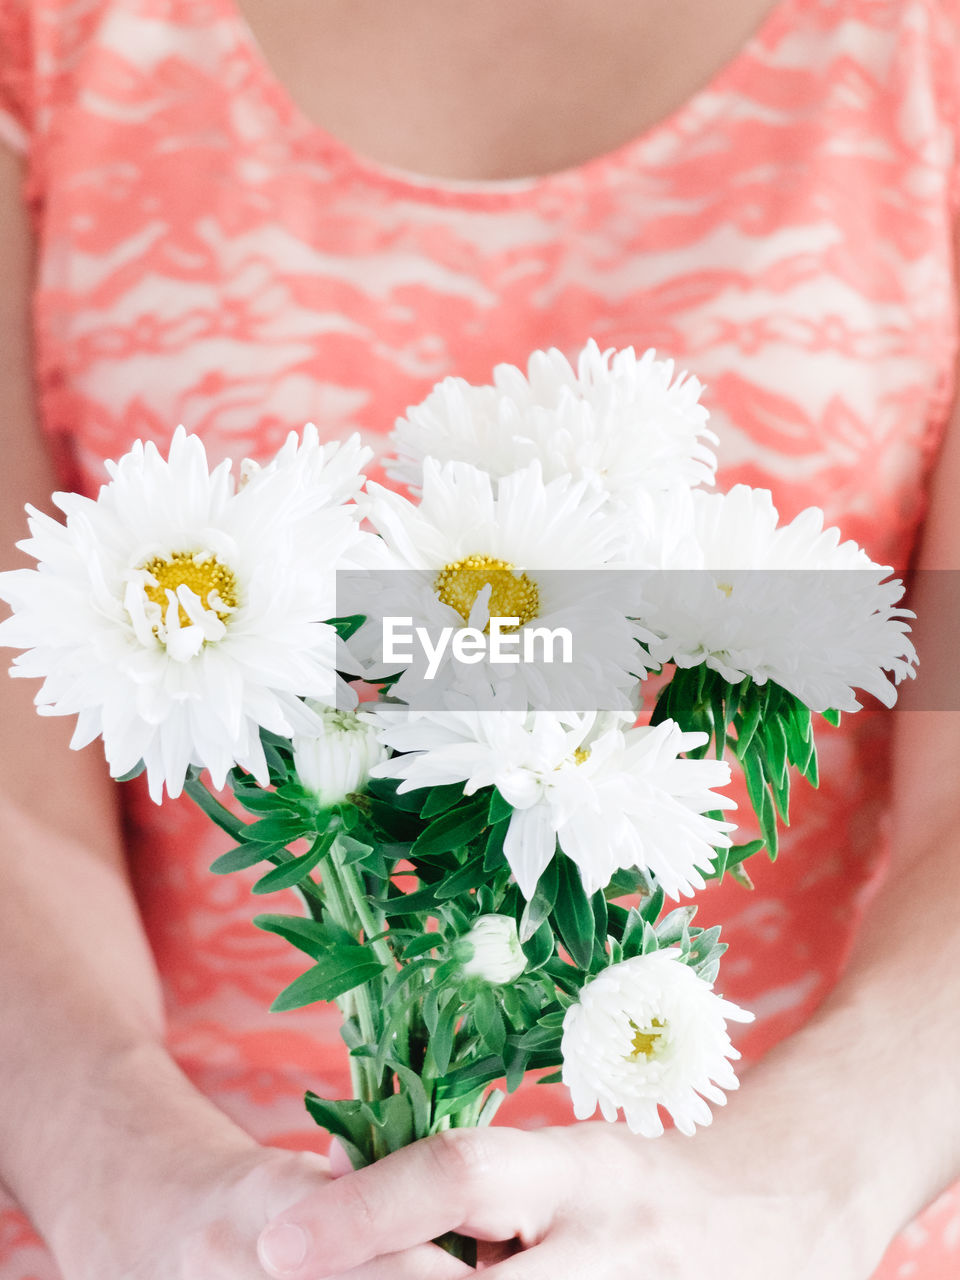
[208,256]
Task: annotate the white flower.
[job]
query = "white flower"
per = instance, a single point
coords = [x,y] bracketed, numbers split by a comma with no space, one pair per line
[790,603]
[176,615]
[613,796]
[497,955]
[337,760]
[520,548]
[621,419]
[646,1033]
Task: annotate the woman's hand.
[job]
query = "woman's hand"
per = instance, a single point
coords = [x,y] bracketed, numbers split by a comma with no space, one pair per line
[201,1221]
[591,1200]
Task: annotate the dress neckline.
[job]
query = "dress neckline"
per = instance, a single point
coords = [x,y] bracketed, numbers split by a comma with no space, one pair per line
[313,140]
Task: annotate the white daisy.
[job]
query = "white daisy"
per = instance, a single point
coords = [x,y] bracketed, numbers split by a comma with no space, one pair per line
[476,549]
[626,421]
[649,1033]
[337,760]
[176,615]
[519,548]
[789,603]
[613,796]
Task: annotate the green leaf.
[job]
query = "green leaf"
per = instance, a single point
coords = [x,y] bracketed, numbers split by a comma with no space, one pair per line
[516,1069]
[761,801]
[740,852]
[393,1116]
[541,904]
[257,800]
[632,938]
[746,723]
[403,976]
[314,937]
[719,712]
[518,1004]
[339,971]
[411,904]
[705,945]
[573,915]
[553,1019]
[453,829]
[243,856]
[387,791]
[488,1020]
[539,948]
[417,1094]
[441,1039]
[653,905]
[651,941]
[431,1009]
[292,872]
[468,877]
[600,916]
[422,945]
[499,808]
[673,926]
[625,883]
[275,830]
[831,717]
[346,626]
[541,1037]
[440,799]
[493,858]
[347,1120]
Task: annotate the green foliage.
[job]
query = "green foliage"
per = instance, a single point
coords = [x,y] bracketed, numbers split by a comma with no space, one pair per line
[392,881]
[292,871]
[337,971]
[768,730]
[316,937]
[573,914]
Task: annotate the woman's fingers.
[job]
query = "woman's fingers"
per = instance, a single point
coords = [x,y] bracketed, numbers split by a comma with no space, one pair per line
[490,1183]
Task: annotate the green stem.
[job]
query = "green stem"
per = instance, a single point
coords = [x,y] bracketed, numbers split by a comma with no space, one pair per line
[353,913]
[350,882]
[342,894]
[214,810]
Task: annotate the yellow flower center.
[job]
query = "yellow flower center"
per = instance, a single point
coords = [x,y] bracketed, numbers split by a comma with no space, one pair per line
[202,572]
[581,754]
[512,594]
[646,1041]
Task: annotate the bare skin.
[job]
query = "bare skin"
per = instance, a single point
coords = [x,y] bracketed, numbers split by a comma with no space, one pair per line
[153,1182]
[503,89]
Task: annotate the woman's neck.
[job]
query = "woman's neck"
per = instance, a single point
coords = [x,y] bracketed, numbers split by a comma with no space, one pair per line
[502,89]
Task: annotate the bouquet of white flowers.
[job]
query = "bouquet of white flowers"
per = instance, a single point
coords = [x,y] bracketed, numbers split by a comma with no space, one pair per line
[484,852]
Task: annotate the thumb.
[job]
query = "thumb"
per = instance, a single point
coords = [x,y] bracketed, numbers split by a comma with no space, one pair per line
[339,1160]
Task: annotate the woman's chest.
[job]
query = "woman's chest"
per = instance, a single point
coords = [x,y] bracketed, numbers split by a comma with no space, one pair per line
[211,257]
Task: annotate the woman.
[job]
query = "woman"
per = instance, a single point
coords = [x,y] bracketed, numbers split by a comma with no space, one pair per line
[246,216]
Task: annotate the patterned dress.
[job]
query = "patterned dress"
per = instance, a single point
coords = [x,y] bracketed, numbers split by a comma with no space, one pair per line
[209,256]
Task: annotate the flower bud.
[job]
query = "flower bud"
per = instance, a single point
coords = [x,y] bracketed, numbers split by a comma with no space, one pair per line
[338,760]
[497,955]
